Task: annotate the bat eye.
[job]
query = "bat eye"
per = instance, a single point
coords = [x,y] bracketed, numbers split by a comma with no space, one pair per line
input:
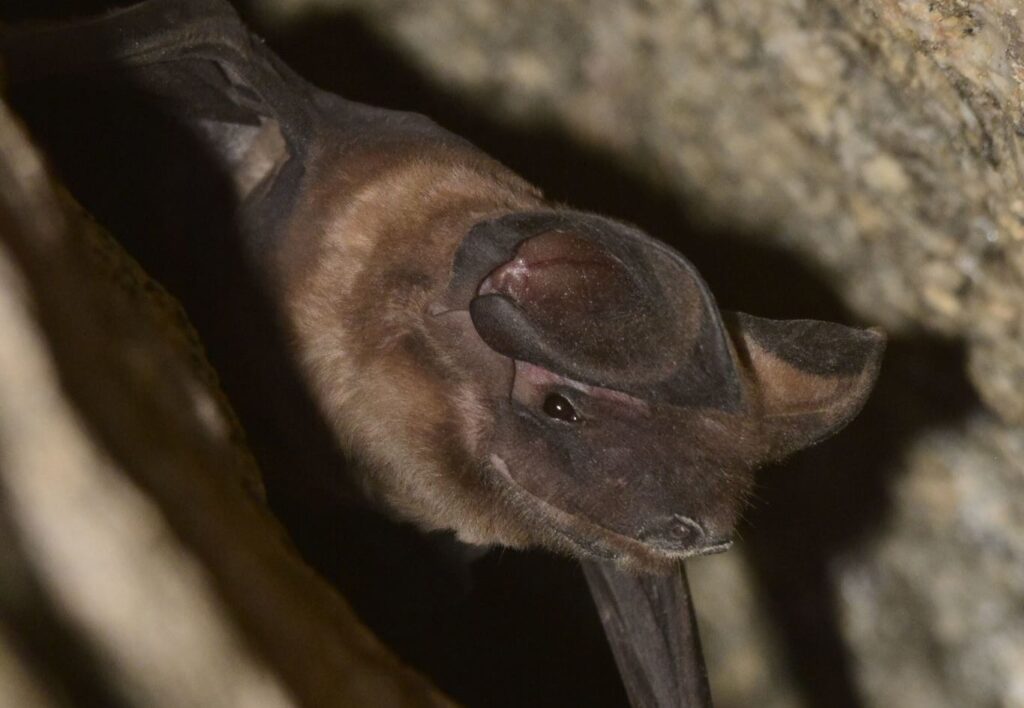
[558,406]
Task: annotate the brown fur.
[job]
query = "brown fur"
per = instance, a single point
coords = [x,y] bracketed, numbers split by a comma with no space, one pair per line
[372,250]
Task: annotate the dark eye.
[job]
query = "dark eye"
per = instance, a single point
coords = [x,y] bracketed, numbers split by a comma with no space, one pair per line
[558,406]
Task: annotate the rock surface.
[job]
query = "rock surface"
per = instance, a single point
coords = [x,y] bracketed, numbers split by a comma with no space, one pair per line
[932,605]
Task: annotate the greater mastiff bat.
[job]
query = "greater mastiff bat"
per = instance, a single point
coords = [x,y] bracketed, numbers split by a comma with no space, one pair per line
[509,369]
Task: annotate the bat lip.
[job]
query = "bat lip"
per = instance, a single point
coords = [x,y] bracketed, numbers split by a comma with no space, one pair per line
[605,543]
[720,547]
[702,550]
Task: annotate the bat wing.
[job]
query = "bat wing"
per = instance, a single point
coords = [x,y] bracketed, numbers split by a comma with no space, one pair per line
[199,84]
[650,624]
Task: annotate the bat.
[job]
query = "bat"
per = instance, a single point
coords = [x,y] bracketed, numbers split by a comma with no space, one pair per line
[495,365]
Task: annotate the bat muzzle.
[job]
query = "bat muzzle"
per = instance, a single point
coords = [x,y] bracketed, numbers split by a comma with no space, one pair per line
[678,534]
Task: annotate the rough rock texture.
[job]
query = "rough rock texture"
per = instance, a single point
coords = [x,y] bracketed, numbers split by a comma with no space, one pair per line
[137,564]
[932,606]
[813,159]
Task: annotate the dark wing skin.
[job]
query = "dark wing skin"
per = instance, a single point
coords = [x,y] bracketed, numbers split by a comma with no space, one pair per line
[196,64]
[650,624]
[498,366]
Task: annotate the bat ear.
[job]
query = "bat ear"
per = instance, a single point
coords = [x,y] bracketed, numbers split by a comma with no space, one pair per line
[599,302]
[811,377]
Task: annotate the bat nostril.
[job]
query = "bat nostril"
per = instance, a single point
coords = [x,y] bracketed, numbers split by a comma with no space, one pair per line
[686,530]
[678,532]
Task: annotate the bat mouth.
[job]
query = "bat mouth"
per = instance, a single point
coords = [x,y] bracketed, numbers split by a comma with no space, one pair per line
[590,538]
[703,549]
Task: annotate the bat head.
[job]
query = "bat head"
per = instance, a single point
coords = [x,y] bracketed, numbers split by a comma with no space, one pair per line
[624,413]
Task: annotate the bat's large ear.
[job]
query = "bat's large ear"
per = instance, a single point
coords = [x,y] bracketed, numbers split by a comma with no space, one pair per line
[811,377]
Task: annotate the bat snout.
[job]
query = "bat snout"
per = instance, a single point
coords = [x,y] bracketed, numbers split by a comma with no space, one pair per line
[682,534]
